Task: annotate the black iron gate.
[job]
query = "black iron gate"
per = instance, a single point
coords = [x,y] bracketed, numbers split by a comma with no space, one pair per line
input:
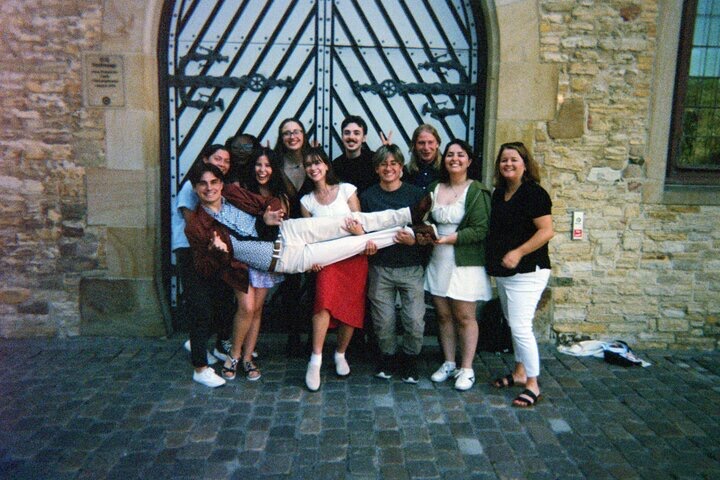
[243,66]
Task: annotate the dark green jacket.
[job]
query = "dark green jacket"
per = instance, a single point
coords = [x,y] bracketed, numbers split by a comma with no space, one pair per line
[473,228]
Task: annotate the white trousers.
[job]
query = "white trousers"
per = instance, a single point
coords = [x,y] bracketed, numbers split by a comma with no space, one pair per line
[519,296]
[323,240]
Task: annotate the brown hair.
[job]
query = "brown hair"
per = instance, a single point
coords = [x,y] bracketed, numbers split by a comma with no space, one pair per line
[532,169]
[319,153]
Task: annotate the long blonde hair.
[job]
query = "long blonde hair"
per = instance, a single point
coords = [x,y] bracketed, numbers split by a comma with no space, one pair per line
[413,166]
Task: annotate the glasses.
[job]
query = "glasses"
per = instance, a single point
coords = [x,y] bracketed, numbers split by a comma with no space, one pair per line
[290,133]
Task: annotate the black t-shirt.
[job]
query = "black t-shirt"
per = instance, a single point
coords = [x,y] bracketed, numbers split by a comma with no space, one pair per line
[511,225]
[375,199]
[357,171]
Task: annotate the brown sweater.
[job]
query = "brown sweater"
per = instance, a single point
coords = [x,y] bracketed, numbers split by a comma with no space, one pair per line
[199,229]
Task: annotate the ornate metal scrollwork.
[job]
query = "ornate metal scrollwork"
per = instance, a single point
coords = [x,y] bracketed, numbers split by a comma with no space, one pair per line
[439,113]
[255,82]
[389,88]
[441,67]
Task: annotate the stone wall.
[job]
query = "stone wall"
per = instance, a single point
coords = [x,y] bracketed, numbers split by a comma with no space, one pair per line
[575,79]
[47,141]
[646,272]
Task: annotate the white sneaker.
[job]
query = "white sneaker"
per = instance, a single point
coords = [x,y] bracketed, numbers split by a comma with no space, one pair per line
[211,360]
[209,378]
[445,371]
[312,377]
[341,365]
[464,379]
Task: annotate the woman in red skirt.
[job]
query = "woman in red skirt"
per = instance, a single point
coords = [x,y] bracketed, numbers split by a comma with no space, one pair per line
[340,287]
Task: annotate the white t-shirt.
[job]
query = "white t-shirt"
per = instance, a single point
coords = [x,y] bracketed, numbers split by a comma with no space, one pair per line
[338,208]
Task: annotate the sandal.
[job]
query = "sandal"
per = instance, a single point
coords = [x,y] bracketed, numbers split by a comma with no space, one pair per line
[252,373]
[504,382]
[526,399]
[229,372]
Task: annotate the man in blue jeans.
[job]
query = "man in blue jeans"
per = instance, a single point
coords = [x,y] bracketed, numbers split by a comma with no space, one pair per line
[395,270]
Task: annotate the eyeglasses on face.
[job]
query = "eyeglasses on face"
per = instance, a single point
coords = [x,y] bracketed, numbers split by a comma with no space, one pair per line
[290,133]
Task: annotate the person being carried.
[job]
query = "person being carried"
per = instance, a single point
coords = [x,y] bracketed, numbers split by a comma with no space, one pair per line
[221,250]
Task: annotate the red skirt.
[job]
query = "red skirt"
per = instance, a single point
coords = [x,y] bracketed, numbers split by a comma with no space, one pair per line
[340,289]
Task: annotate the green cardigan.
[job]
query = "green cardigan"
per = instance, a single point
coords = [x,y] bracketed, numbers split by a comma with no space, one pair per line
[471,233]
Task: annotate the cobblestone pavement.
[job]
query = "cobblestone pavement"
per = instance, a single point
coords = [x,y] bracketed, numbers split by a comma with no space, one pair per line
[127,408]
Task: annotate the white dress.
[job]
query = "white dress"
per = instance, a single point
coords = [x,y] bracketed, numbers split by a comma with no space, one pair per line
[442,277]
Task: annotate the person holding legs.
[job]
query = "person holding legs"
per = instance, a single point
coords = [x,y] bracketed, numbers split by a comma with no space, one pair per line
[456,275]
[340,287]
[204,302]
[395,270]
[517,256]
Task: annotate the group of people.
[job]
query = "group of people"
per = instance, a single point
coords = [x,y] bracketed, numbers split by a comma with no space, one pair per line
[372,230]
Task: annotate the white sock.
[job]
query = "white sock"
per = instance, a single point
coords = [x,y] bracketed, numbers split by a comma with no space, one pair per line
[316,359]
[339,356]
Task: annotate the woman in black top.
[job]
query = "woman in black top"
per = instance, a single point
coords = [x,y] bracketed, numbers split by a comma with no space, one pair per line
[517,255]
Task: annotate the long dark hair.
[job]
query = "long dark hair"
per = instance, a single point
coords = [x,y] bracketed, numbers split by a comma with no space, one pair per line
[276,185]
[532,169]
[280,147]
[473,172]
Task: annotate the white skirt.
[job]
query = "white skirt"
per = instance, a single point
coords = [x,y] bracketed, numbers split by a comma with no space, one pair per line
[445,279]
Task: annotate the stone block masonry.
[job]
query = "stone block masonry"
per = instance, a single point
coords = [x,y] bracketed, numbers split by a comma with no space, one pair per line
[645,271]
[47,141]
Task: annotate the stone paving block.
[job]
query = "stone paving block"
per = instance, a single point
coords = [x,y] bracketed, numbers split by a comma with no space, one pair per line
[421,469]
[165,416]
[469,446]
[394,472]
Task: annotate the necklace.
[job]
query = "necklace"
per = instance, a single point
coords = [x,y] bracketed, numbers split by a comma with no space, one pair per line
[455,192]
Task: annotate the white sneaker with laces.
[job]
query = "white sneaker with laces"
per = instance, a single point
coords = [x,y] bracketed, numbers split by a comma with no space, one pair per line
[464,379]
[209,378]
[211,360]
[445,371]
[312,377]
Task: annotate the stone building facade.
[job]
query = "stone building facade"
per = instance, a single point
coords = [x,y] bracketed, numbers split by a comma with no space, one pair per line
[587,84]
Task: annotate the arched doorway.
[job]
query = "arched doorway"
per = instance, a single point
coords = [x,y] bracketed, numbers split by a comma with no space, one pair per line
[243,66]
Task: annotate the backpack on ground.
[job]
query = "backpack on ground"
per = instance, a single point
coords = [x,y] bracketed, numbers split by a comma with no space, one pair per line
[494,331]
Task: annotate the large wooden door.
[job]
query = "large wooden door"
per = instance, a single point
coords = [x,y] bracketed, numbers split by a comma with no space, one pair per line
[243,66]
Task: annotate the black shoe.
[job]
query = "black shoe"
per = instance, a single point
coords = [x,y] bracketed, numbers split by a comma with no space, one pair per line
[410,369]
[386,367]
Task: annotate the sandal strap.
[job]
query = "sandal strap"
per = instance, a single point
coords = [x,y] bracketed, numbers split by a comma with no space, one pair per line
[527,393]
[233,366]
[504,382]
[250,367]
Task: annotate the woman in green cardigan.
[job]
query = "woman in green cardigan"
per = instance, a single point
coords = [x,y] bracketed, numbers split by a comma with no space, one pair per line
[456,275]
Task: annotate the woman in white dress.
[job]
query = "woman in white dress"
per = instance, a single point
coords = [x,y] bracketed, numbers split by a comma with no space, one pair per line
[456,275]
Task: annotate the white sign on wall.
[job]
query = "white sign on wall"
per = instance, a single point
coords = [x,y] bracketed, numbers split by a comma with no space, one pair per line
[103,80]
